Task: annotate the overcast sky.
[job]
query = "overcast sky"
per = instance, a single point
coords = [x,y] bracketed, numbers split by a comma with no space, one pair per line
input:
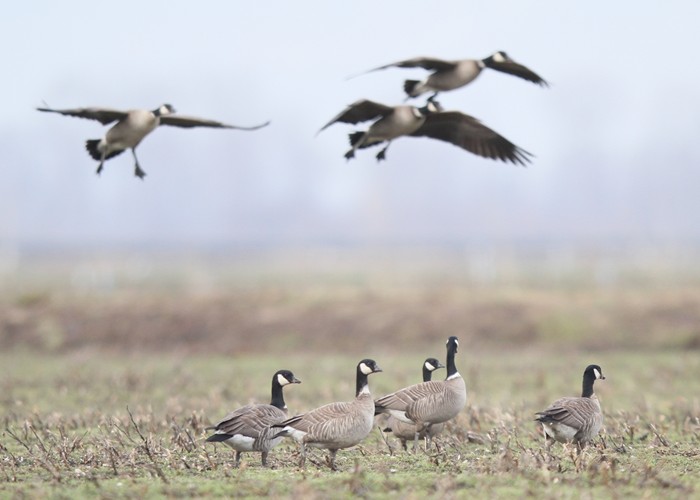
[615,136]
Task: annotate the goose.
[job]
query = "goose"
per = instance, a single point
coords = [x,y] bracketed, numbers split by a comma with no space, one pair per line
[450,75]
[431,121]
[428,403]
[132,127]
[404,431]
[248,428]
[574,420]
[335,426]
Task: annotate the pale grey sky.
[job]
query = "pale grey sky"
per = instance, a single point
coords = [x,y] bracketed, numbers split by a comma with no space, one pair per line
[614,137]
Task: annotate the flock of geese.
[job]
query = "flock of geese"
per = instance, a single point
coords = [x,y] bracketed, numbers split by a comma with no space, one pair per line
[388,122]
[415,412]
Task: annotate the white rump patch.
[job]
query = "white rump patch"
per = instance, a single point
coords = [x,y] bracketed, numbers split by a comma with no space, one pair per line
[240,442]
[295,434]
[400,415]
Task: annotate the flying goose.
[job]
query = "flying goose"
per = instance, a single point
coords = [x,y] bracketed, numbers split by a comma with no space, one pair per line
[404,431]
[576,420]
[131,128]
[428,403]
[450,75]
[248,428]
[336,425]
[428,121]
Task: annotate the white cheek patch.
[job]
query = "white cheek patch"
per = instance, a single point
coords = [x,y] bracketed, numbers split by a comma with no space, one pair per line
[365,369]
[281,380]
[597,373]
[416,113]
[499,57]
[429,366]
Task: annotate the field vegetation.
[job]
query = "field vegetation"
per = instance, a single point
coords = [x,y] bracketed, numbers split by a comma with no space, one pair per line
[108,379]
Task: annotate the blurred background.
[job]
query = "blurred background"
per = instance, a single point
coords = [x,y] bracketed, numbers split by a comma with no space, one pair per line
[230,228]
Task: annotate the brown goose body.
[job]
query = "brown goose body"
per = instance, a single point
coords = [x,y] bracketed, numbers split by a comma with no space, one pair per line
[335,426]
[428,403]
[450,75]
[575,420]
[248,427]
[132,126]
[407,431]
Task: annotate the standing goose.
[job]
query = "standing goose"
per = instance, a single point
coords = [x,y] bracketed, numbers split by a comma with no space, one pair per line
[248,428]
[428,403]
[131,128]
[336,425]
[450,75]
[454,127]
[574,420]
[404,431]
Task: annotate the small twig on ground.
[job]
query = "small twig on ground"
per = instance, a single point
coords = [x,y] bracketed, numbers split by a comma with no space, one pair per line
[147,448]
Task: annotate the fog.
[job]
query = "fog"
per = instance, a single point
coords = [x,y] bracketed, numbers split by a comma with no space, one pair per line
[614,137]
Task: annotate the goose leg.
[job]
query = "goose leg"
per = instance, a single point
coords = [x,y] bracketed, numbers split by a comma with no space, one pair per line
[382,154]
[102,162]
[302,459]
[331,459]
[264,459]
[137,168]
[238,458]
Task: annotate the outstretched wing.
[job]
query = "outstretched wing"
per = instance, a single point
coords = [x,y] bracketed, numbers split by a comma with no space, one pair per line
[360,111]
[469,133]
[190,121]
[102,115]
[428,63]
[513,68]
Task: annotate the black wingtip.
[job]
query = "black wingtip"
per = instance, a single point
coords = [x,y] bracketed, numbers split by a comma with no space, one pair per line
[217,438]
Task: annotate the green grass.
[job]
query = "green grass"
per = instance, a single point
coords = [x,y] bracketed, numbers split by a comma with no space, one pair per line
[66,430]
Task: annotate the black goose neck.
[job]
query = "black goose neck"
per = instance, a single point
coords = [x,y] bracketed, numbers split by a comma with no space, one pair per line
[277,394]
[361,382]
[451,367]
[588,380]
[427,374]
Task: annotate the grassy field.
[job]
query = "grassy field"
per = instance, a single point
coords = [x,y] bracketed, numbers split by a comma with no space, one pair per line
[107,391]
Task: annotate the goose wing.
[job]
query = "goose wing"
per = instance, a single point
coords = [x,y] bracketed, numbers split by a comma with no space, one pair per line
[321,416]
[190,121]
[516,69]
[360,111]
[429,63]
[102,115]
[469,133]
[250,420]
[572,412]
[402,399]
